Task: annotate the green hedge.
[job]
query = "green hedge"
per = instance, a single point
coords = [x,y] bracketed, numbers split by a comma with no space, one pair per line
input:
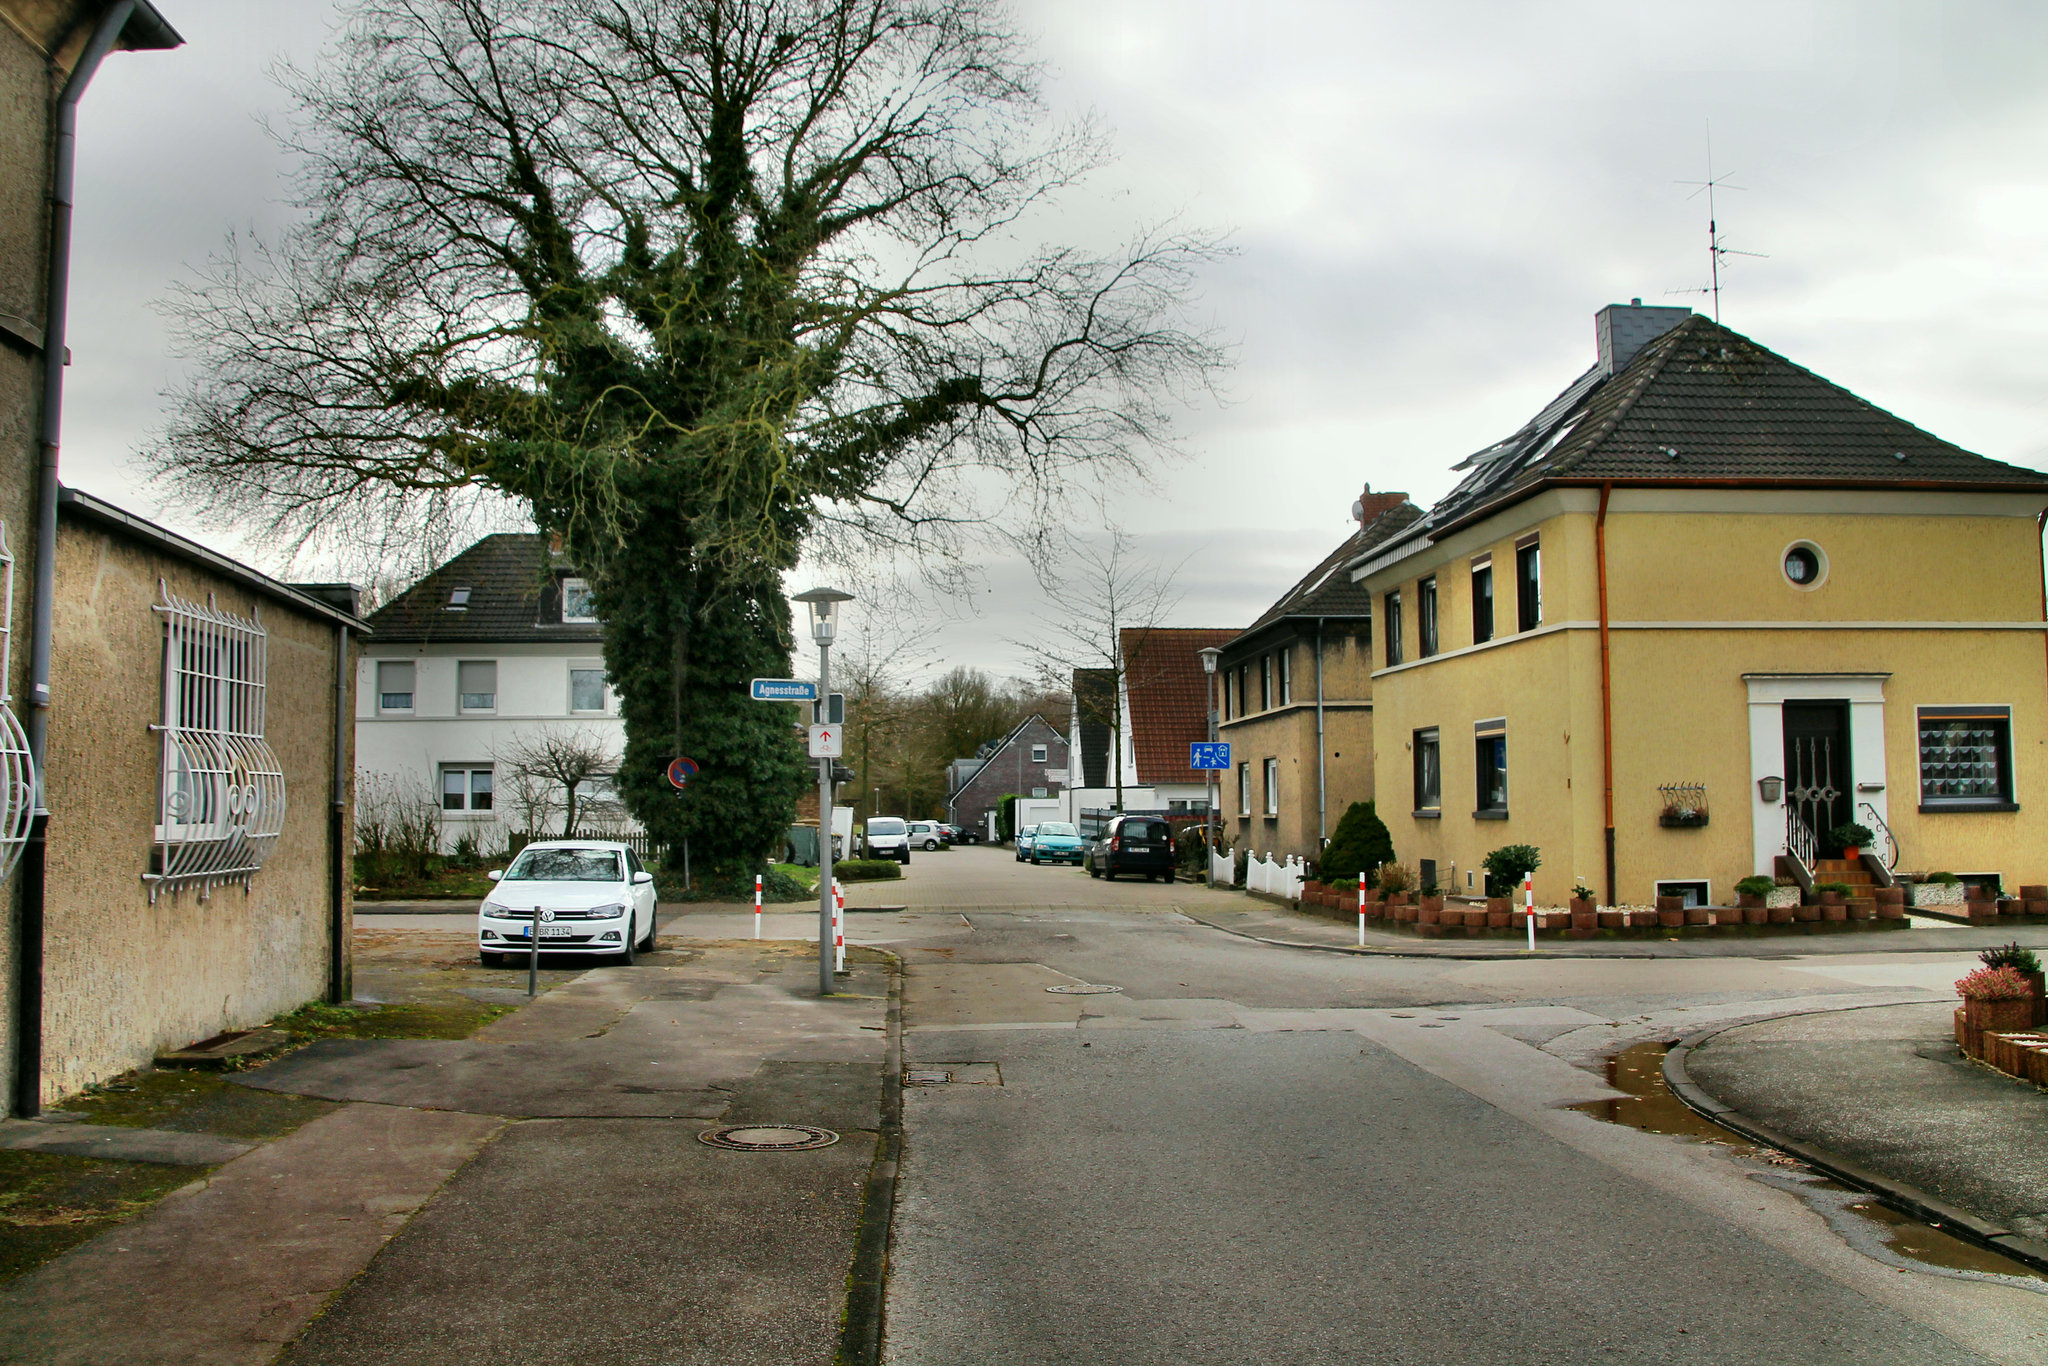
[867,870]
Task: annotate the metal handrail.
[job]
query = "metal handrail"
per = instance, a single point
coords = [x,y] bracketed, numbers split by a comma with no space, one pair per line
[1800,841]
[1891,842]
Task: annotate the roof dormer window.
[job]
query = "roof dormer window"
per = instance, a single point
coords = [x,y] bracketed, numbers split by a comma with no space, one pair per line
[458,600]
[579,604]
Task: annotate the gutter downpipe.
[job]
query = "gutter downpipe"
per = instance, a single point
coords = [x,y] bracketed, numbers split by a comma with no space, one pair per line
[1322,780]
[1606,693]
[2040,532]
[339,988]
[28,1002]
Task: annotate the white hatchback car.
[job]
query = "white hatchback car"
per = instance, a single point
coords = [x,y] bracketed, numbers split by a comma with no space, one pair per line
[585,896]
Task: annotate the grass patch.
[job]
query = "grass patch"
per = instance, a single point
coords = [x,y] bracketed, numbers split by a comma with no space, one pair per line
[51,1202]
[448,884]
[797,872]
[401,1020]
[194,1102]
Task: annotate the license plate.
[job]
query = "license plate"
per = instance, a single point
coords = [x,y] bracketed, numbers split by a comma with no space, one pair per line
[550,932]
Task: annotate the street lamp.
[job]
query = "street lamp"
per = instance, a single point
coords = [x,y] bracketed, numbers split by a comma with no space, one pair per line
[1209,655]
[823,605]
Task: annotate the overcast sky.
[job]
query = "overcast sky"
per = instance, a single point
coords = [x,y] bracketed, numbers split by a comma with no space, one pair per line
[1428,202]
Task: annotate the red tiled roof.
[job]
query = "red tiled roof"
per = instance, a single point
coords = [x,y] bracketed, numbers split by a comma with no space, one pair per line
[1169,698]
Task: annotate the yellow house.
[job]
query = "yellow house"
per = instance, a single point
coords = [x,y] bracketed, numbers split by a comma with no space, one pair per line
[1294,697]
[1703,610]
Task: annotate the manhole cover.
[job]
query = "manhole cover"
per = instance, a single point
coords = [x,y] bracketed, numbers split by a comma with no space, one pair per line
[768,1138]
[926,1076]
[1082,989]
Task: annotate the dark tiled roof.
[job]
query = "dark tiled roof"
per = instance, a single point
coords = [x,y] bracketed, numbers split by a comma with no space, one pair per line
[1704,403]
[514,594]
[1169,698]
[1326,590]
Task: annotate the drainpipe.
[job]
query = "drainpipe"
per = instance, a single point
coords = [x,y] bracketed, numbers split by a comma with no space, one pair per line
[1322,780]
[1606,693]
[28,1003]
[339,988]
[2041,530]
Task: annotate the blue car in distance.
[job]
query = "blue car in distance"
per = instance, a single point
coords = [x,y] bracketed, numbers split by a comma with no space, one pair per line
[1056,842]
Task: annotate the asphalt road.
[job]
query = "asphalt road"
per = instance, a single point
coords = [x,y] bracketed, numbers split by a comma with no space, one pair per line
[1255,1154]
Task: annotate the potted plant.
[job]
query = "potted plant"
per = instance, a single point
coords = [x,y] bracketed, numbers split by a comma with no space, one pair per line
[2027,964]
[1751,891]
[1582,897]
[1832,893]
[1852,837]
[1433,899]
[1394,879]
[1997,999]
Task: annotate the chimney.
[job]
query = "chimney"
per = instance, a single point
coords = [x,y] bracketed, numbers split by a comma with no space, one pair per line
[1621,330]
[1370,505]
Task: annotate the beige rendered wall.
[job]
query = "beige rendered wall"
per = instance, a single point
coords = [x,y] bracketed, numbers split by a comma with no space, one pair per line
[124,977]
[1288,733]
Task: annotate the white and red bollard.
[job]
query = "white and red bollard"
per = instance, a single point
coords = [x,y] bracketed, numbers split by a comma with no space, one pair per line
[757,905]
[838,926]
[1361,908]
[1529,907]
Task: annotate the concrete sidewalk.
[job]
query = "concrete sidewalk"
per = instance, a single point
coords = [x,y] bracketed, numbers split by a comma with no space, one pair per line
[1885,1092]
[536,1193]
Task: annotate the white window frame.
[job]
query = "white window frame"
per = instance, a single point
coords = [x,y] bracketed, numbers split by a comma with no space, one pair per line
[1287,676]
[462,706]
[221,794]
[1038,754]
[583,585]
[377,682]
[604,689]
[19,788]
[1272,787]
[468,770]
[1244,788]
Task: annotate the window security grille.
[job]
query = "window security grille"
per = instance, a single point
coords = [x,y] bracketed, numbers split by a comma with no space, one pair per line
[223,799]
[18,789]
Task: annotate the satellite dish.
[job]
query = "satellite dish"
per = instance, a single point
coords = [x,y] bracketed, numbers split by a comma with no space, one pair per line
[1357,509]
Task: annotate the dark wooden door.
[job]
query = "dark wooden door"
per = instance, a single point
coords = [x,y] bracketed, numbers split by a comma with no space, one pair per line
[1818,783]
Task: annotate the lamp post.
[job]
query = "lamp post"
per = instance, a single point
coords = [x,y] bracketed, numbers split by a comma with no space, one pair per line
[823,605]
[1209,655]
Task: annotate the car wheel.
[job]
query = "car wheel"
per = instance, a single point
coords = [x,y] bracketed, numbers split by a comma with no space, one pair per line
[627,955]
[904,857]
[1109,875]
[653,928]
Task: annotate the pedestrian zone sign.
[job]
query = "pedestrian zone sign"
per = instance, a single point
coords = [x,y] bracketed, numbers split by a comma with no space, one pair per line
[783,690]
[1209,754]
[827,742]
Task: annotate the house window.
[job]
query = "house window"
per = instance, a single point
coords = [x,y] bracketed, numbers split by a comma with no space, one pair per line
[1286,676]
[1244,688]
[1272,787]
[1225,684]
[1037,792]
[1038,754]
[1491,746]
[221,794]
[1482,600]
[477,682]
[1694,893]
[1425,617]
[1265,682]
[394,684]
[1244,789]
[586,687]
[1966,758]
[1393,628]
[466,787]
[579,604]
[1529,585]
[1429,772]
[458,600]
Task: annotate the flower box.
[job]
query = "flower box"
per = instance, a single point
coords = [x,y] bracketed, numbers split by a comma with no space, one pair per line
[1806,913]
[1834,910]
[1761,915]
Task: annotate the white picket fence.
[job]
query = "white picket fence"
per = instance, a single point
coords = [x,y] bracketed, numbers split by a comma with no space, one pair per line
[1262,874]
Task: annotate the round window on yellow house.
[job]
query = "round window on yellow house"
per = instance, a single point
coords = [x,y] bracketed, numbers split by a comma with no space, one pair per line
[1805,565]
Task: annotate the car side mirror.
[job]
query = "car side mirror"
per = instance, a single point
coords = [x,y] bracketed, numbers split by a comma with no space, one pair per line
[495,874]
[642,878]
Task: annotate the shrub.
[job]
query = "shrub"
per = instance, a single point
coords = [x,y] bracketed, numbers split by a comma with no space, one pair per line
[1838,888]
[1392,877]
[2010,956]
[1360,843]
[1943,879]
[1850,833]
[867,870]
[1508,865]
[1756,886]
[1994,984]
[1006,818]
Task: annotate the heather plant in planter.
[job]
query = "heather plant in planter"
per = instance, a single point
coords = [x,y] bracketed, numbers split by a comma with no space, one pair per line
[2028,965]
[1996,999]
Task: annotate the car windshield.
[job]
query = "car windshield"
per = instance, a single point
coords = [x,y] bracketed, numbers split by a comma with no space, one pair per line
[1145,830]
[885,826]
[1057,828]
[565,865]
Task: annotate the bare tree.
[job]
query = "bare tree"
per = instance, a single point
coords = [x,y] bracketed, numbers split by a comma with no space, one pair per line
[692,282]
[1109,599]
[546,760]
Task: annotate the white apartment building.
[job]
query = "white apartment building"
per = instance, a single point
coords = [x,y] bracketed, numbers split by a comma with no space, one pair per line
[491,650]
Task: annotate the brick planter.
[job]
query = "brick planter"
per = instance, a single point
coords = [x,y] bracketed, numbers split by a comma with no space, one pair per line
[1805,913]
[2037,907]
[1834,910]
[1587,920]
[1642,920]
[1495,920]
[1613,920]
[1981,910]
[1425,914]
[1554,920]
[1891,910]
[1699,915]
[1433,901]
[1860,909]
[2034,891]
[2000,1016]
[1781,915]
[1760,915]
[2011,905]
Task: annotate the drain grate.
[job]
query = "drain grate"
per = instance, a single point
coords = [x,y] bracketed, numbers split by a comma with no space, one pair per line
[926,1076]
[954,1074]
[1082,989]
[768,1138]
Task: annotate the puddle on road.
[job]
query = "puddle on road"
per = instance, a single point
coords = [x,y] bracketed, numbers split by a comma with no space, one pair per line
[1857,1217]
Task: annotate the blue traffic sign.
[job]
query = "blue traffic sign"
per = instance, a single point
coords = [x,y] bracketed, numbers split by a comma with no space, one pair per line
[784,690]
[1209,754]
[681,769]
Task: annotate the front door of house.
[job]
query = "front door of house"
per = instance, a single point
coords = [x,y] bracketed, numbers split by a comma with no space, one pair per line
[1817,774]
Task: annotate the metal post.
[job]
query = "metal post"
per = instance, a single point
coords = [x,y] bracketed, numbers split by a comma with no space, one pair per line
[757,905]
[532,953]
[1529,907]
[826,986]
[1361,908]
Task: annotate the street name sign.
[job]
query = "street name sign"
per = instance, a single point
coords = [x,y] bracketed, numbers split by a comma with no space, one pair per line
[784,690]
[1209,754]
[827,742]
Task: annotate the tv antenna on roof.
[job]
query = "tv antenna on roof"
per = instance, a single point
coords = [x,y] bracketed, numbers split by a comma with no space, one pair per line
[1715,249]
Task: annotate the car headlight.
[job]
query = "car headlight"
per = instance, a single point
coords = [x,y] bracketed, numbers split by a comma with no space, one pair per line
[497,912]
[615,909]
